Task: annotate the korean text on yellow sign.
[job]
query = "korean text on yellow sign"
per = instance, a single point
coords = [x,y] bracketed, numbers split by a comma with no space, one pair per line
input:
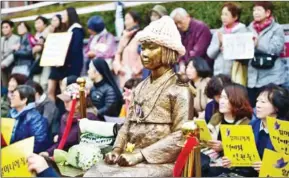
[205,134]
[274,164]
[279,134]
[7,125]
[239,145]
[14,158]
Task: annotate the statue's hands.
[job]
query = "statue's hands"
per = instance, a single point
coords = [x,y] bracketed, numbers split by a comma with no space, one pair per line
[130,159]
[112,157]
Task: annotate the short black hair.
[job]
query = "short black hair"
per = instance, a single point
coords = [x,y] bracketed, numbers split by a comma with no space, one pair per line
[9,22]
[135,16]
[20,78]
[201,66]
[26,92]
[279,98]
[37,87]
[26,26]
[216,85]
[43,19]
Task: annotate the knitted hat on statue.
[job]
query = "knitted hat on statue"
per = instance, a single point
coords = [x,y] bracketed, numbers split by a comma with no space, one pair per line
[163,32]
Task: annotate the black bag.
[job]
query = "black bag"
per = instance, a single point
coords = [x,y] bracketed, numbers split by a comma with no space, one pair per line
[263,60]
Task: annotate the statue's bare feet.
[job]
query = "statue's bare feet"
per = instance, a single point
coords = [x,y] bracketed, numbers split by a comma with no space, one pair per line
[130,159]
[112,157]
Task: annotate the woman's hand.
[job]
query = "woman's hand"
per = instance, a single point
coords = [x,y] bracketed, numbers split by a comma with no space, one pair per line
[36,163]
[91,55]
[215,145]
[257,165]
[226,163]
[15,47]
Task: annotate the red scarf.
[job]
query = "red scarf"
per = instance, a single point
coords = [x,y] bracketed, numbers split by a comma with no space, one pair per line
[259,27]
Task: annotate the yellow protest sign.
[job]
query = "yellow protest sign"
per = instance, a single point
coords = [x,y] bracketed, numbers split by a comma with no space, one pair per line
[14,158]
[7,125]
[55,49]
[239,144]
[279,134]
[274,164]
[205,134]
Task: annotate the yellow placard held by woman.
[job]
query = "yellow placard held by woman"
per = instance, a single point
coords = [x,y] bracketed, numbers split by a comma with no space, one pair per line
[7,125]
[205,134]
[279,134]
[274,164]
[239,145]
[14,158]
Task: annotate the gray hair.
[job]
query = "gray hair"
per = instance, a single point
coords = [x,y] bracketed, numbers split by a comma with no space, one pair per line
[181,11]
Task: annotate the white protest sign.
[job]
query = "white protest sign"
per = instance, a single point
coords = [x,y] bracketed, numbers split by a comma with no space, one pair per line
[238,46]
[55,49]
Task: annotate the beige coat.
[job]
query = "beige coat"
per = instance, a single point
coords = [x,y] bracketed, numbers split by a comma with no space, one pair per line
[166,106]
[200,99]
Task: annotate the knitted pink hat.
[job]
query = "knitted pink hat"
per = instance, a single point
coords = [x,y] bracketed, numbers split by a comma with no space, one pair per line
[163,32]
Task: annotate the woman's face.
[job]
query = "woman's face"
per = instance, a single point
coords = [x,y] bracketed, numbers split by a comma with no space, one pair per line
[263,106]
[224,103]
[55,22]
[39,25]
[15,100]
[260,14]
[12,85]
[21,29]
[128,21]
[93,74]
[64,17]
[191,71]
[227,18]
[154,16]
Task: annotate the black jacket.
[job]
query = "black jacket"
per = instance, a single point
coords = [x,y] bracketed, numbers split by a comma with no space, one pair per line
[105,99]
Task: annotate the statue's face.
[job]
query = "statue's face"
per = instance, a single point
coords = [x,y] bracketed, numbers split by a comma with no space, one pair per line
[151,55]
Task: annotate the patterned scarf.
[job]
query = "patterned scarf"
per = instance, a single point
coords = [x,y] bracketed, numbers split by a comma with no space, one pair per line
[259,27]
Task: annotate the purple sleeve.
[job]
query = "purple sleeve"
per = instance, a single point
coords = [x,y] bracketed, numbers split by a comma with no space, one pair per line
[111,48]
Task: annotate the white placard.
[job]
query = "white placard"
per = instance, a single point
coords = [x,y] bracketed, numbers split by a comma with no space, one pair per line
[55,49]
[238,46]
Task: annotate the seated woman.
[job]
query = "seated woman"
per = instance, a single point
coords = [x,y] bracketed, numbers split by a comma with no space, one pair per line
[273,101]
[198,72]
[234,109]
[105,94]
[29,122]
[67,81]
[73,136]
[147,145]
[213,91]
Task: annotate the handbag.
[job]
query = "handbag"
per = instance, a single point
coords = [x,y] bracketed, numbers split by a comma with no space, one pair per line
[263,60]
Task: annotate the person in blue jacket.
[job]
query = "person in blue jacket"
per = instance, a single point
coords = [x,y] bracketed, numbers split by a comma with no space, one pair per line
[273,101]
[74,58]
[28,121]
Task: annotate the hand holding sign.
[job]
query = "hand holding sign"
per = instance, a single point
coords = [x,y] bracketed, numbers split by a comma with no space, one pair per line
[14,158]
[239,145]
[36,163]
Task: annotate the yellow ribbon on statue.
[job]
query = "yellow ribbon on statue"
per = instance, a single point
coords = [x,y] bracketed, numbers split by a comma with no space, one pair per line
[129,147]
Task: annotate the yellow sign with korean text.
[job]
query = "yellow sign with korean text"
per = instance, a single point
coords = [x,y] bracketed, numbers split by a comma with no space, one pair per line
[239,144]
[205,134]
[279,134]
[274,164]
[14,158]
[7,125]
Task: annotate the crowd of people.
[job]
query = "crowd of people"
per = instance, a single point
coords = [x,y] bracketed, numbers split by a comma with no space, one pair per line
[233,92]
